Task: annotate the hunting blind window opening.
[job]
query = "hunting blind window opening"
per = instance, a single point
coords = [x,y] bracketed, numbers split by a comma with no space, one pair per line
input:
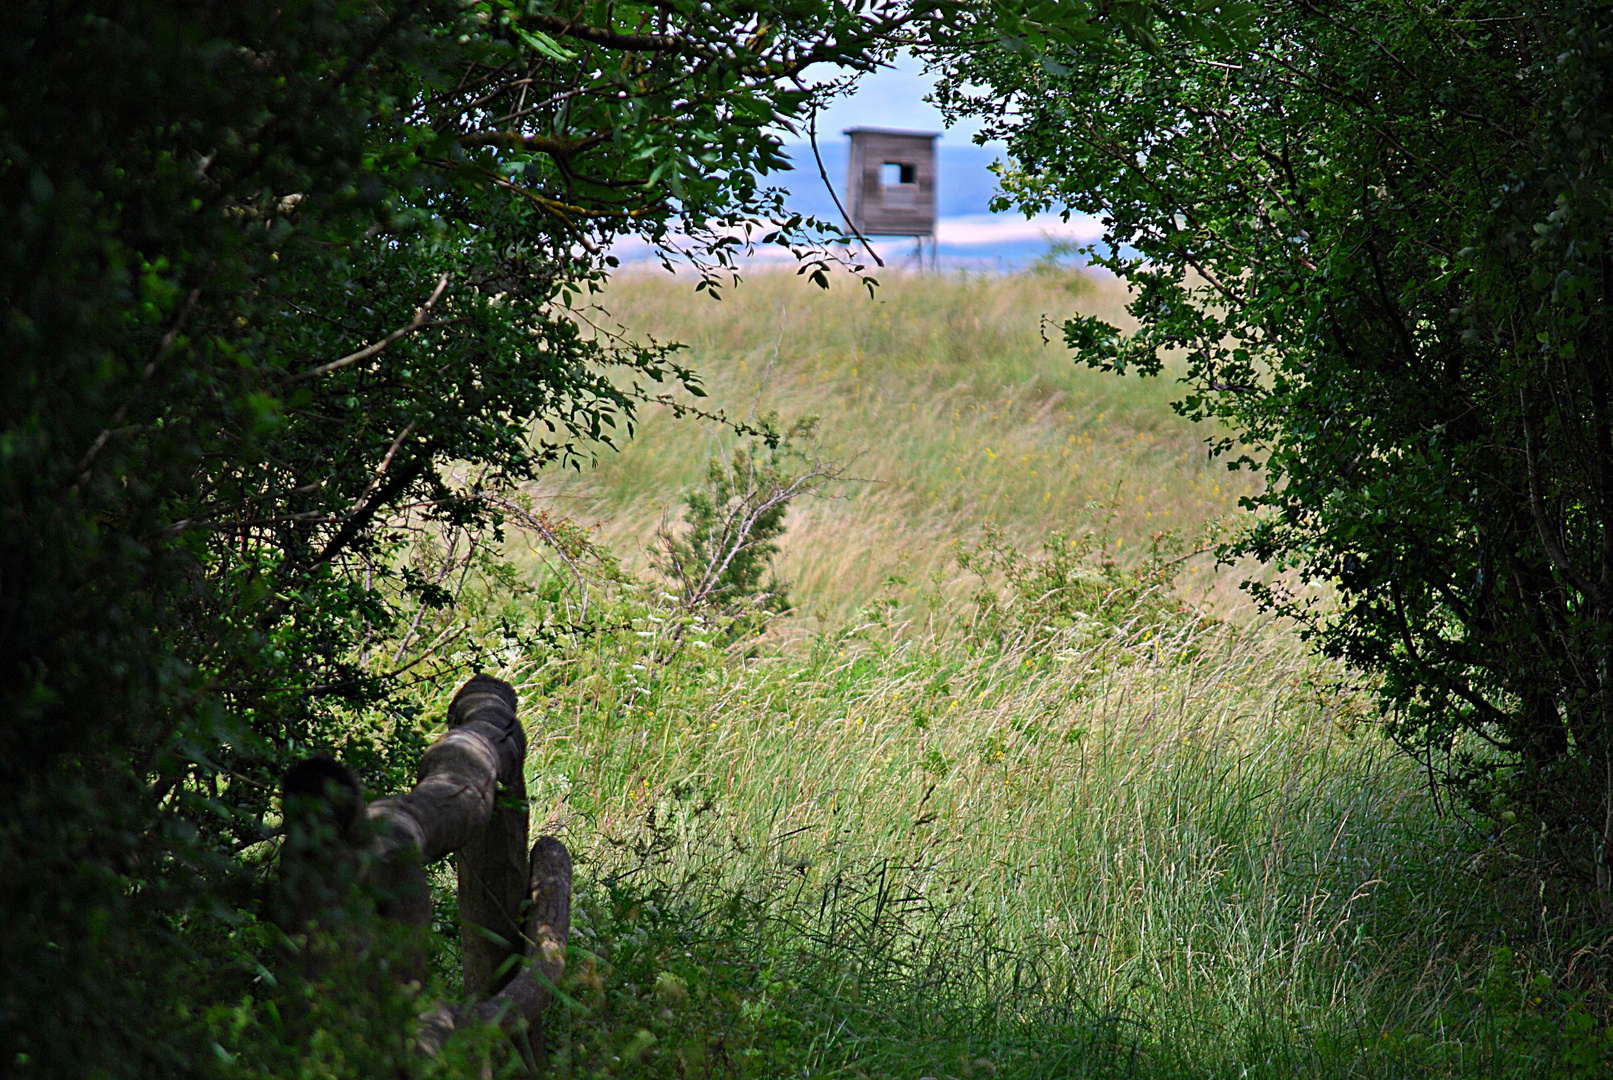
[898,184]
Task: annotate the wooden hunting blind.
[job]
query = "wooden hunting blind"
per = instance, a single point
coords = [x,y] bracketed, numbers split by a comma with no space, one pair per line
[891,185]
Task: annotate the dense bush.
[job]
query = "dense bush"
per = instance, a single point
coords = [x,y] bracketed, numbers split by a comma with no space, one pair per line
[1372,240]
[287,291]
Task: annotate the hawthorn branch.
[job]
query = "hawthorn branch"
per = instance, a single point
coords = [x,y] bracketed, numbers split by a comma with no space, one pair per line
[840,53]
[611,39]
[374,499]
[82,471]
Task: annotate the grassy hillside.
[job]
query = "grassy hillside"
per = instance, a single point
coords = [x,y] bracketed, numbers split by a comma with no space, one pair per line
[1064,820]
[939,392]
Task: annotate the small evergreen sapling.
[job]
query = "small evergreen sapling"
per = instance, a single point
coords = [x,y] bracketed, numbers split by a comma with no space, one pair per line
[722,562]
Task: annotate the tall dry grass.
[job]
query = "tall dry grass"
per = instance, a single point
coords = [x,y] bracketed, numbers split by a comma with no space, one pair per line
[939,392]
[1170,836]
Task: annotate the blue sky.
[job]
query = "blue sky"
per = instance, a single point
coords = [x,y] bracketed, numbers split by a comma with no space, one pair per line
[894,98]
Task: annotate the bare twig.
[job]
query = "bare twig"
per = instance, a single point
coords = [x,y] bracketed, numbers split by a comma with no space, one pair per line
[448,564]
[540,525]
[380,470]
[812,137]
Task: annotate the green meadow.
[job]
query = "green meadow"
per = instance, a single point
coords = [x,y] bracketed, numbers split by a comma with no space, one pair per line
[1020,786]
[943,401]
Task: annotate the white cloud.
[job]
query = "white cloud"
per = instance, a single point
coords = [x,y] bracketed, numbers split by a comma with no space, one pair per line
[972,230]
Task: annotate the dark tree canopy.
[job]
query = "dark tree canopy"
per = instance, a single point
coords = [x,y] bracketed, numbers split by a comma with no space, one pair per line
[1376,237]
[273,274]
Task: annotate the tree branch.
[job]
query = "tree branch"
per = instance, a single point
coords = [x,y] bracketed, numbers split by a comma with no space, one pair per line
[1537,507]
[368,351]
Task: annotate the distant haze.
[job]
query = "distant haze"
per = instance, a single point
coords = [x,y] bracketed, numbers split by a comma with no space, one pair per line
[964,184]
[970,235]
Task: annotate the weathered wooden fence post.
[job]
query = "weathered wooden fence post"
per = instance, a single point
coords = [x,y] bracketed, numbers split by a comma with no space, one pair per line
[515,908]
[493,863]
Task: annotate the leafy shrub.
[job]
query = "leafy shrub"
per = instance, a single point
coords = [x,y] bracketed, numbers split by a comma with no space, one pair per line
[1401,322]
